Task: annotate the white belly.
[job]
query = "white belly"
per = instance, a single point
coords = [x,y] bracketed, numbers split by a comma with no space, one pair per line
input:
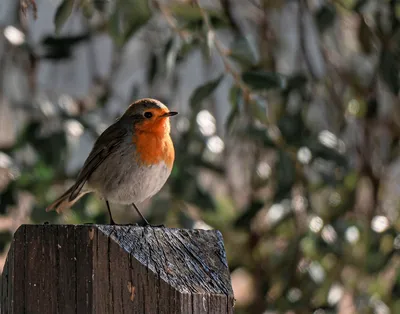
[139,186]
[122,181]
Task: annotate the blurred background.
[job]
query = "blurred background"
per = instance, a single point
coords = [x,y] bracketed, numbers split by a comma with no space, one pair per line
[287,139]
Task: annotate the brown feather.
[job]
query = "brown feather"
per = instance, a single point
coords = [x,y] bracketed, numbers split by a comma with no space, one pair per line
[63,201]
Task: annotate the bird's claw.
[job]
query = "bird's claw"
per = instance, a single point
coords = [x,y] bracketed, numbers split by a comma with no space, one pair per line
[154,226]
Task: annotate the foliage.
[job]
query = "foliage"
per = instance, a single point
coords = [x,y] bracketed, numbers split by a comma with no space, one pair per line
[303,189]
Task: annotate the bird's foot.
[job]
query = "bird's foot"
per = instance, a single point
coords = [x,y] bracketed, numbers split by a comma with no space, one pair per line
[126,225]
[154,226]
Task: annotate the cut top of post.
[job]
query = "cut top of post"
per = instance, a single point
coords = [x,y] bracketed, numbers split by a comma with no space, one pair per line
[191,261]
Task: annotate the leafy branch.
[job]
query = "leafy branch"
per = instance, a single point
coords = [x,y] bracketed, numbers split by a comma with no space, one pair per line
[25,4]
[224,53]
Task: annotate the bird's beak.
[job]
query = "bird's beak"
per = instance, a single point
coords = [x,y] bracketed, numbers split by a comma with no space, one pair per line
[169,114]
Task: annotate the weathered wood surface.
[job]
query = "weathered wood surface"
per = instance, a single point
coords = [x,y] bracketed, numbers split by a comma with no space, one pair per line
[115,269]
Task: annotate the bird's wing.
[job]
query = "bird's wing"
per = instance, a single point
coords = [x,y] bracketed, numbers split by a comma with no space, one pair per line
[107,142]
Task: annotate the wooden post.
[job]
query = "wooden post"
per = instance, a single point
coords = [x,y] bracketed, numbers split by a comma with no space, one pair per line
[115,269]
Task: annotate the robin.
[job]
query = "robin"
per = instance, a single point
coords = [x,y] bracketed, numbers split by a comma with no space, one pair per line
[129,162]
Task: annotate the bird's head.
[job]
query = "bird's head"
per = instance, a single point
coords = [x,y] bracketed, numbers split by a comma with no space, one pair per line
[149,115]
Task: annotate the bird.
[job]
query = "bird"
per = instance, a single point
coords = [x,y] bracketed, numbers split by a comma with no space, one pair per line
[129,162]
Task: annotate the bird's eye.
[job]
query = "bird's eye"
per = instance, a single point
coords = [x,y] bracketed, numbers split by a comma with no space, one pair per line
[148,114]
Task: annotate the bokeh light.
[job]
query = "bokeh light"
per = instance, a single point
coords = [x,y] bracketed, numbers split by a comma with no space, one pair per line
[316,224]
[352,234]
[14,35]
[74,128]
[316,272]
[263,170]
[379,223]
[215,144]
[329,234]
[304,155]
[335,294]
[206,123]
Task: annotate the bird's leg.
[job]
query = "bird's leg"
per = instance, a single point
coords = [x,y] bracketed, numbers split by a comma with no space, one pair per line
[112,222]
[144,219]
[140,214]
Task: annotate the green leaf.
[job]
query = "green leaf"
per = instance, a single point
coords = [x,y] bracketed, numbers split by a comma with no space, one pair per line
[51,147]
[37,178]
[152,70]
[128,17]
[297,81]
[293,129]
[389,69]
[376,261]
[61,47]
[319,150]
[187,48]
[64,41]
[190,13]
[170,54]
[235,95]
[259,110]
[88,8]
[114,27]
[236,99]
[185,186]
[192,18]
[203,91]
[8,197]
[262,80]
[359,5]
[285,175]
[63,12]
[139,15]
[366,36]
[5,238]
[186,11]
[203,198]
[259,134]
[245,219]
[241,51]
[325,17]
[100,6]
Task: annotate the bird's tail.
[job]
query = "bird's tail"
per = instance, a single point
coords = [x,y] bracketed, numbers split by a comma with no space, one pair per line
[63,202]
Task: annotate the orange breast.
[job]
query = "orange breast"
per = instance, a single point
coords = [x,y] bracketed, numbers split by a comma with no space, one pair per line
[152,148]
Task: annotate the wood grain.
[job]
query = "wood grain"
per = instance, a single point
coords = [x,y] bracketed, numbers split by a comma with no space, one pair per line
[115,269]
